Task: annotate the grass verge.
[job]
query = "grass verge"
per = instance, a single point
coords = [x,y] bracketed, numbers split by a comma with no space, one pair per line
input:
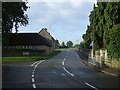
[29,58]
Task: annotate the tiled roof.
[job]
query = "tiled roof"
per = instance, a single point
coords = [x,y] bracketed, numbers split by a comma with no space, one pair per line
[49,35]
[27,39]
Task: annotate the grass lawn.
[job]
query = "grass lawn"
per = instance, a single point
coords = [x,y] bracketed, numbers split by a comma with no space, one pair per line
[29,58]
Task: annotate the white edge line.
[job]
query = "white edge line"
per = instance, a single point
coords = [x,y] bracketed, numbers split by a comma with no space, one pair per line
[68,71]
[34,86]
[109,73]
[34,63]
[33,80]
[91,86]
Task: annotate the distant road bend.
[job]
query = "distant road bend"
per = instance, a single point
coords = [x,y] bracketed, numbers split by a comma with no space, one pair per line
[65,70]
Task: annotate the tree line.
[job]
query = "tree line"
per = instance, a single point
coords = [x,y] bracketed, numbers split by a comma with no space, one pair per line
[67,45]
[104,28]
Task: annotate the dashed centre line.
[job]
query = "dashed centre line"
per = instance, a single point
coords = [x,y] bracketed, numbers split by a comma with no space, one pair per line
[32,75]
[34,86]
[35,64]
[63,63]
[33,80]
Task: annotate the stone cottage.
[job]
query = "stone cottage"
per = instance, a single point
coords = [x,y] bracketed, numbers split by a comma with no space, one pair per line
[32,41]
[49,37]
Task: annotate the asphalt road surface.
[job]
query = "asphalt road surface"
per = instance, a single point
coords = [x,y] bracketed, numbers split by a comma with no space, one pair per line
[65,70]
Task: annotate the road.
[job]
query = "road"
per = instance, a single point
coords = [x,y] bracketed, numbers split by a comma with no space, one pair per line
[65,70]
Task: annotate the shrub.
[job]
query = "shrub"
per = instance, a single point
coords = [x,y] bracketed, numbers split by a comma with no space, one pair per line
[114,45]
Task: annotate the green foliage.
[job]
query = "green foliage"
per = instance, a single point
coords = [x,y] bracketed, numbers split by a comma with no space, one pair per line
[13,14]
[63,44]
[84,44]
[114,45]
[76,46]
[57,41]
[101,31]
[69,44]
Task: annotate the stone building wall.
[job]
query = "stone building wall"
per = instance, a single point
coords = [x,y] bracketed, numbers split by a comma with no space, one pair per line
[47,35]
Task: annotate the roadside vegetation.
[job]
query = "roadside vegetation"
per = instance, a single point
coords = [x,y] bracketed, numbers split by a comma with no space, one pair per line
[104,28]
[30,58]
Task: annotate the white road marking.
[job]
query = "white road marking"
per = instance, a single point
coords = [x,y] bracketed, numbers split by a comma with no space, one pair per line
[39,62]
[109,73]
[66,57]
[63,63]
[68,71]
[34,69]
[34,86]
[34,63]
[32,75]
[33,80]
[63,74]
[91,86]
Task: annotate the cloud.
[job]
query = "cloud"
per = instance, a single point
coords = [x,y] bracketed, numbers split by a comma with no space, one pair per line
[62,0]
[46,20]
[58,13]
[65,20]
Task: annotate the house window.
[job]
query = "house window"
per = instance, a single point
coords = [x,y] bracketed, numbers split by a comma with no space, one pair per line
[23,47]
[34,47]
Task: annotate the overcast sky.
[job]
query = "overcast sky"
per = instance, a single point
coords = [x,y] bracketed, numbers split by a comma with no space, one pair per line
[64,20]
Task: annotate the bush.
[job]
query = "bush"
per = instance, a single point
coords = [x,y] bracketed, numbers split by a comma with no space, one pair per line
[114,45]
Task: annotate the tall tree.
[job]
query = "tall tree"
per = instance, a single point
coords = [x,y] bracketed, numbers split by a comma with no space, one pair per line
[69,44]
[114,45]
[63,44]
[13,14]
[104,27]
[57,41]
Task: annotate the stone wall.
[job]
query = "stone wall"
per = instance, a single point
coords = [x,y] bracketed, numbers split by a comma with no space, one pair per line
[101,57]
[47,35]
